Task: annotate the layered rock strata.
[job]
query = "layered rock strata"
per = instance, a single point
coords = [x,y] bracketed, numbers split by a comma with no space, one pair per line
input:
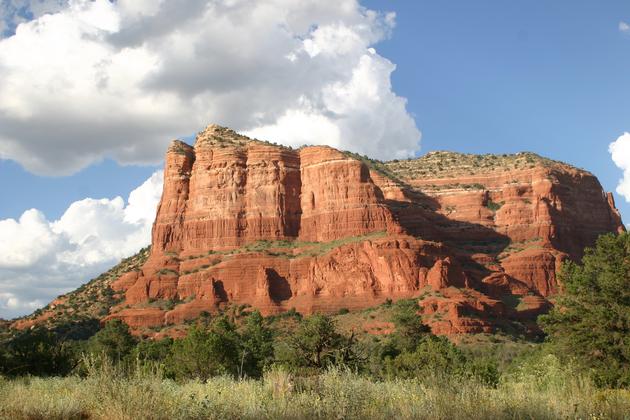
[246,222]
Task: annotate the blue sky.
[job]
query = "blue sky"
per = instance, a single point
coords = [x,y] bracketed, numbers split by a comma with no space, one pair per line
[92,91]
[507,76]
[53,195]
[479,77]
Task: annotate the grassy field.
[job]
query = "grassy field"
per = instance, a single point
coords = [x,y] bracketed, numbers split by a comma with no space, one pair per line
[107,393]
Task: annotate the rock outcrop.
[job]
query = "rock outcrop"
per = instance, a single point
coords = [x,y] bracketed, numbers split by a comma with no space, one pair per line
[315,229]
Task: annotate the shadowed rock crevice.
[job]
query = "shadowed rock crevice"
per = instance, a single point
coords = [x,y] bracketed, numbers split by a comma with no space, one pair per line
[279,287]
[219,291]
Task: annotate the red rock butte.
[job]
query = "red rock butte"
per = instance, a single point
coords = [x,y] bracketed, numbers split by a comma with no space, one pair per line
[478,240]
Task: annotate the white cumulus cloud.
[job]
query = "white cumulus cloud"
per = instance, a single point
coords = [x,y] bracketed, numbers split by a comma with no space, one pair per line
[40,259]
[620,152]
[624,27]
[25,241]
[83,80]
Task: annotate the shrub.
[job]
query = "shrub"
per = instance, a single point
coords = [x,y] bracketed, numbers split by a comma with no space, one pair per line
[494,206]
[114,341]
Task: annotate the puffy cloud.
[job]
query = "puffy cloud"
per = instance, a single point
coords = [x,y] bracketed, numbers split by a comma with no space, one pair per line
[99,79]
[26,241]
[10,302]
[143,200]
[360,114]
[620,152]
[624,27]
[40,259]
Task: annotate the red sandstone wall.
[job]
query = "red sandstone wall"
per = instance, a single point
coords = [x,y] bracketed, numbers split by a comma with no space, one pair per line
[393,240]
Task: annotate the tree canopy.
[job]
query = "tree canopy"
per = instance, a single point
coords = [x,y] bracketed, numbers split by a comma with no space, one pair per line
[591,319]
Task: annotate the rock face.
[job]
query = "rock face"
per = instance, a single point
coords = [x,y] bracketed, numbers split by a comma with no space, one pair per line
[246,222]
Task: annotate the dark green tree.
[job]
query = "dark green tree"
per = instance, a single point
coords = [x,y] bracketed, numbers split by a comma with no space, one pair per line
[317,344]
[4,362]
[591,318]
[409,327]
[114,341]
[155,354]
[412,351]
[316,341]
[432,355]
[256,347]
[38,352]
[409,332]
[154,350]
[208,351]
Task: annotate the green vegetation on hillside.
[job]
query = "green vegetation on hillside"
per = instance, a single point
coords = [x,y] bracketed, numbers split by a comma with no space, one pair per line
[376,165]
[306,249]
[449,164]
[591,320]
[286,248]
[222,137]
[76,314]
[494,206]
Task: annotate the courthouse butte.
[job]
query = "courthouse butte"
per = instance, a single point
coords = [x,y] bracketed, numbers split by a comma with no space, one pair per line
[477,239]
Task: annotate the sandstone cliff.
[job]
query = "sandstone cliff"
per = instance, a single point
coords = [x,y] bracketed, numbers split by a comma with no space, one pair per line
[478,240]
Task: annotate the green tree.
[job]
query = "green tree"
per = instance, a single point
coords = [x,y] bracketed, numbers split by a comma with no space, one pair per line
[154,350]
[38,352]
[591,318]
[257,346]
[155,354]
[409,332]
[432,355]
[317,344]
[114,341]
[409,327]
[4,362]
[208,351]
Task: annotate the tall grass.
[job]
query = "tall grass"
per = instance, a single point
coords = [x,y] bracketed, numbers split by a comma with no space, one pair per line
[106,392]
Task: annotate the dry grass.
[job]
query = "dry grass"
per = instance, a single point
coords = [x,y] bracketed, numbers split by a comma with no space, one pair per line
[549,392]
